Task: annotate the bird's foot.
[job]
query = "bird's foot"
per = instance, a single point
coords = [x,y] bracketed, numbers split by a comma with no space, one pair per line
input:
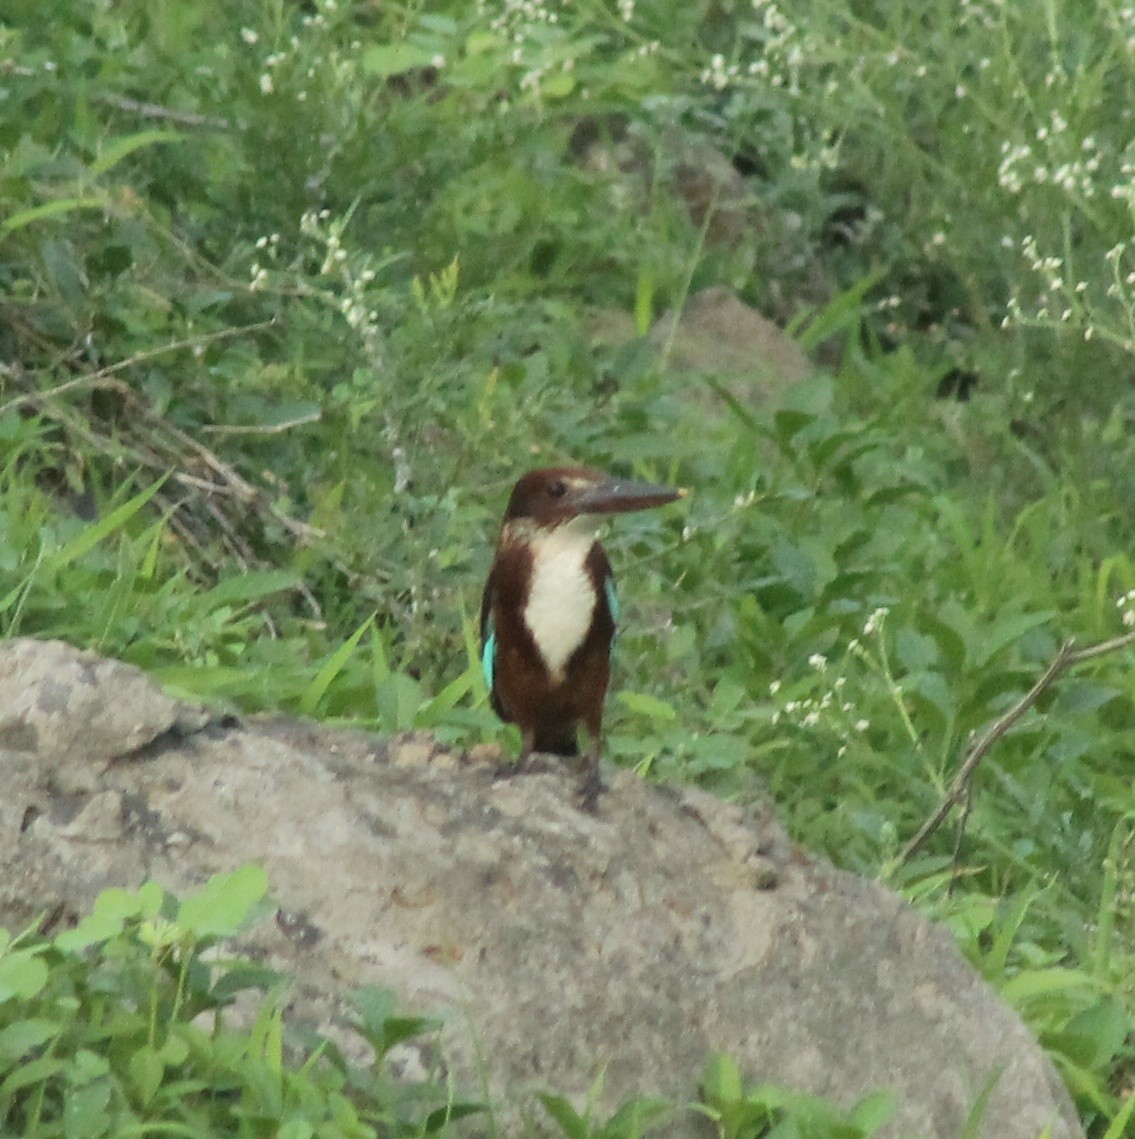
[591,788]
[529,763]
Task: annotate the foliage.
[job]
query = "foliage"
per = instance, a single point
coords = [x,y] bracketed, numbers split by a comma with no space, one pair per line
[119,1027]
[735,1112]
[289,295]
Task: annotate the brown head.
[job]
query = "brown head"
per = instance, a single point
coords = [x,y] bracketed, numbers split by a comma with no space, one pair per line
[554,495]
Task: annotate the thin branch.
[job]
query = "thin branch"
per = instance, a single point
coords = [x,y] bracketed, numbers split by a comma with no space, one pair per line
[82,383]
[1068,657]
[177,345]
[100,381]
[959,838]
[260,429]
[164,114]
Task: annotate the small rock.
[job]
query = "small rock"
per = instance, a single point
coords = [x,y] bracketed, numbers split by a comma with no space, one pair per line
[718,334]
[59,702]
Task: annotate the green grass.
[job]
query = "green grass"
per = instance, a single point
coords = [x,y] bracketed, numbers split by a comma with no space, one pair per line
[289,296]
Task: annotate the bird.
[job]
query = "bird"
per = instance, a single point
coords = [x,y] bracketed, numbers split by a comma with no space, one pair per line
[549,610]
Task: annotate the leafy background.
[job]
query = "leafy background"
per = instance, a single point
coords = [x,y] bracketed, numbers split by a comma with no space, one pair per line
[290,293]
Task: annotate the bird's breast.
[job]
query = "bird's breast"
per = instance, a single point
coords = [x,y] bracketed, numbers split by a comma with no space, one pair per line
[561,596]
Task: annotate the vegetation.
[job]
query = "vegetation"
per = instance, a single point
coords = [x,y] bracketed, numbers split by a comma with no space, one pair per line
[289,294]
[124,1017]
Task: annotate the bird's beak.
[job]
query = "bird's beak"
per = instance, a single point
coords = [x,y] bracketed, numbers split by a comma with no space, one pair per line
[616,496]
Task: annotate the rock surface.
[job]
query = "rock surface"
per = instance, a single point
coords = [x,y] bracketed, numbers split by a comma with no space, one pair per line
[635,942]
[718,334]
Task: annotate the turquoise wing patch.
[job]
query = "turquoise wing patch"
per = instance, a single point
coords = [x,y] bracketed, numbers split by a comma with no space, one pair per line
[612,605]
[612,598]
[489,656]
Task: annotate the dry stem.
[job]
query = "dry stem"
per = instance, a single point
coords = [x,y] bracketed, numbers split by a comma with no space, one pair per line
[1068,657]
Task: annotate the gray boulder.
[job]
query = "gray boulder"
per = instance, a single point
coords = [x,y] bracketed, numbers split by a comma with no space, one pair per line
[634,943]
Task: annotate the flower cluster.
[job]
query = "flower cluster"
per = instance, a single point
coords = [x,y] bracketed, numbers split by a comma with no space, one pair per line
[781,53]
[1053,158]
[353,275]
[822,702]
[1126,607]
[294,65]
[269,248]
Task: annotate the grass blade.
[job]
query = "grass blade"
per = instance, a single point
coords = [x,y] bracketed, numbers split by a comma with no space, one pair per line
[334,665]
[86,541]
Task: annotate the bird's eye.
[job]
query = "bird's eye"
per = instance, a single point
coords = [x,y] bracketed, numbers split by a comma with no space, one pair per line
[557,489]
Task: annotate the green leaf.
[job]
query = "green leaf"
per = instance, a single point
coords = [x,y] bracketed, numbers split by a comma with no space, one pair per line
[146,1069]
[636,1117]
[225,903]
[874,1111]
[385,60]
[447,699]
[439,1118]
[23,1036]
[398,701]
[90,537]
[571,1123]
[974,1125]
[557,85]
[23,218]
[1035,983]
[650,707]
[1117,1129]
[377,1022]
[34,1072]
[110,155]
[334,665]
[113,908]
[251,586]
[721,1081]
[1004,631]
[85,1114]
[295,1129]
[23,974]
[89,1066]
[843,311]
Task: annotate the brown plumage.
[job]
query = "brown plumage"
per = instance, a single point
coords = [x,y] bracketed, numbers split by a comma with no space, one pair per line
[547,613]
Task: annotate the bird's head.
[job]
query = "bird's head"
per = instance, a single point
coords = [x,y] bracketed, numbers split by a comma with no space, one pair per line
[551,496]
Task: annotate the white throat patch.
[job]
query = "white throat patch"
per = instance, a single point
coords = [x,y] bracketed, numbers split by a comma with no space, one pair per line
[561,599]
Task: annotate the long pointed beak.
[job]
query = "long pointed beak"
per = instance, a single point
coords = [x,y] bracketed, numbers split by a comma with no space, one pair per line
[616,496]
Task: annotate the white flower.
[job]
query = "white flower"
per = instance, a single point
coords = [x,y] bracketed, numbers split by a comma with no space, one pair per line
[875,622]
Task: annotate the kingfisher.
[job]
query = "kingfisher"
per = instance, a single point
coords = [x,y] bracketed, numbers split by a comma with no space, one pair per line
[549,610]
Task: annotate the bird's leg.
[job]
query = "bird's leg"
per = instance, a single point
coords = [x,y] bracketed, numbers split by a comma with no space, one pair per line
[527,742]
[506,769]
[592,784]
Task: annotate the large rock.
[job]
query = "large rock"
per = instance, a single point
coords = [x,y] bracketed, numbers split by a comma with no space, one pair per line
[635,942]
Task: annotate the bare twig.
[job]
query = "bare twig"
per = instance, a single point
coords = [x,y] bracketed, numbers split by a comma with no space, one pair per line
[164,114]
[176,346]
[261,428]
[130,106]
[100,381]
[959,838]
[1068,657]
[91,383]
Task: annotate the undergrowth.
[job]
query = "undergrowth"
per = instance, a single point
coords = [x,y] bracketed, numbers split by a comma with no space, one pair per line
[289,296]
